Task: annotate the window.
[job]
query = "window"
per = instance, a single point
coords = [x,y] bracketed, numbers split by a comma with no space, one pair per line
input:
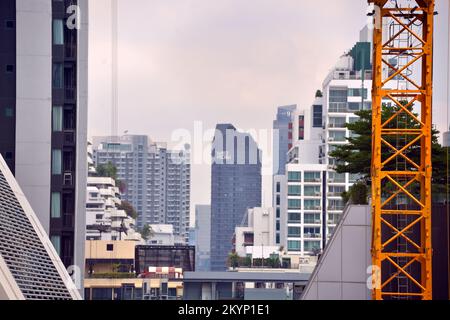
[56,162]
[57,119]
[312,191]
[58,32]
[312,177]
[277,238]
[56,241]
[56,205]
[335,191]
[354,106]
[336,177]
[294,204]
[294,191]
[337,136]
[109,247]
[311,232]
[278,187]
[9,112]
[312,218]
[311,246]
[278,225]
[301,128]
[317,116]
[356,92]
[338,95]
[278,212]
[337,205]
[278,200]
[58,76]
[294,217]
[294,245]
[9,68]
[294,232]
[333,218]
[312,205]
[294,176]
[337,122]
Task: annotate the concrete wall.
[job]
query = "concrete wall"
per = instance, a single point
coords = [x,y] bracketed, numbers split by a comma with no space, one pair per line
[121,249]
[34,104]
[341,272]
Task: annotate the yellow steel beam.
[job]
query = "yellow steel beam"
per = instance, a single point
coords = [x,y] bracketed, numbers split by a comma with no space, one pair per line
[401,247]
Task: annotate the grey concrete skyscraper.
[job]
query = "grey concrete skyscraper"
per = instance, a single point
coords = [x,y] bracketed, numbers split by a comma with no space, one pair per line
[282,141]
[202,238]
[156,180]
[235,187]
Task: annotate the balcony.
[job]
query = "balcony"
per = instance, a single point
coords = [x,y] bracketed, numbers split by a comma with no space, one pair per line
[312,235]
[338,107]
[313,208]
[336,208]
[337,125]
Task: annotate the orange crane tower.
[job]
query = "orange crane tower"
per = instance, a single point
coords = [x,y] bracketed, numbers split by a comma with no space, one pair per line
[401,149]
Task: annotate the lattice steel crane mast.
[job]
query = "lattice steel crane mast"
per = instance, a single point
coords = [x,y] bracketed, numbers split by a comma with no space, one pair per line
[401,149]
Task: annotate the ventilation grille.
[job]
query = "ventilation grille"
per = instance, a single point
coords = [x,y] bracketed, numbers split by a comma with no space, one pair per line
[23,252]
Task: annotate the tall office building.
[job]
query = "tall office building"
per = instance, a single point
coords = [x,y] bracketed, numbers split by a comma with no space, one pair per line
[30,268]
[307,199]
[202,238]
[235,187]
[43,113]
[282,141]
[156,180]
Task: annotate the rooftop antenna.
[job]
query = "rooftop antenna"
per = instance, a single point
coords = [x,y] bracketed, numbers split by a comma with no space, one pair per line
[114,70]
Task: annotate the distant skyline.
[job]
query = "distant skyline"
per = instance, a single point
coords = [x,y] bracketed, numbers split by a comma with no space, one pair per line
[229,61]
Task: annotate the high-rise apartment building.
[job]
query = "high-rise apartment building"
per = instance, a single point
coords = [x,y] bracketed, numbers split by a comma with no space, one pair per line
[307,199]
[235,187]
[156,180]
[43,113]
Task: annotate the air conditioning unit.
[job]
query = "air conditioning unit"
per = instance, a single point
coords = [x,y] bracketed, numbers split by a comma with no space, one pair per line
[330,138]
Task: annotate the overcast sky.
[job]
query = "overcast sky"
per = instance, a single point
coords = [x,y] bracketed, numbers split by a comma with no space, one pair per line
[182,61]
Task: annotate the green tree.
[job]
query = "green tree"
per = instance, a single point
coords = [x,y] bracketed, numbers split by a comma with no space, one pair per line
[110,170]
[107,170]
[128,208]
[233,260]
[146,232]
[355,157]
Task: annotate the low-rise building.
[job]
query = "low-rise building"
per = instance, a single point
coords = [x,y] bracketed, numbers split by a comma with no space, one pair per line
[111,273]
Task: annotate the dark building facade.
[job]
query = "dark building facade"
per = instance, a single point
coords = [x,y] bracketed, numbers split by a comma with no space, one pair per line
[8,81]
[164,256]
[43,113]
[235,187]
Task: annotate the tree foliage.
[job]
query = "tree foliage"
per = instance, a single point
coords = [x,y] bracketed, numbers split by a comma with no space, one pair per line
[129,209]
[355,157]
[107,170]
[146,232]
